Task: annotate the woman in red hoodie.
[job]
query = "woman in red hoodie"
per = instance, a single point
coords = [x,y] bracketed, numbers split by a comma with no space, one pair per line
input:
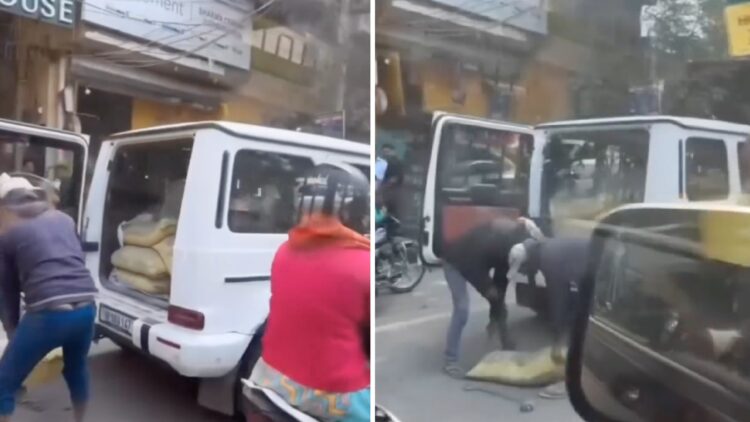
[316,342]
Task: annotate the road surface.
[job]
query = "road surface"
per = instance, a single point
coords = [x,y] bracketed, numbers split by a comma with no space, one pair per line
[410,337]
[125,388]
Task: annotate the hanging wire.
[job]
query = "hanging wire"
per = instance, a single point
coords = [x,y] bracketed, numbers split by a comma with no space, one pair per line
[465,8]
[446,33]
[137,63]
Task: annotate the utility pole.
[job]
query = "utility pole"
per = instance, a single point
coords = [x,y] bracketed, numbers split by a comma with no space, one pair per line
[345,32]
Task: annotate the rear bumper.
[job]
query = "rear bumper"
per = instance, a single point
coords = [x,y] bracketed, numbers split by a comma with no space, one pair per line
[190,353]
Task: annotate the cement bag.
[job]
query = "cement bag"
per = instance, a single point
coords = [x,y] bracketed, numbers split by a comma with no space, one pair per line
[143,261]
[143,218]
[47,371]
[165,248]
[142,283]
[147,234]
[523,369]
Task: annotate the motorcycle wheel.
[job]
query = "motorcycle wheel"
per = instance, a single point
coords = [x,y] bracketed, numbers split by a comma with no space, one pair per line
[405,257]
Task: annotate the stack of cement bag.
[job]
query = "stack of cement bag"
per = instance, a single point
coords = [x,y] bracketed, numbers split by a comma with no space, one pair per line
[144,262]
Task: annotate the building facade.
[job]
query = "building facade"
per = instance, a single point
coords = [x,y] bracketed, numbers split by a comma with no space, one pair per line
[120,65]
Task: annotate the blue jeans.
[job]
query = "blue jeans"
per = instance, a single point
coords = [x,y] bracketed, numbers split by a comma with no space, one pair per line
[39,333]
[459,288]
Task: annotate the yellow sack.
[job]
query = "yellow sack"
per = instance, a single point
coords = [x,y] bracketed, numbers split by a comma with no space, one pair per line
[142,283]
[147,233]
[524,369]
[46,371]
[138,260]
[165,248]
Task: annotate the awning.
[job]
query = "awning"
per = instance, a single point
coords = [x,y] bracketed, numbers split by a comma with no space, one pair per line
[133,82]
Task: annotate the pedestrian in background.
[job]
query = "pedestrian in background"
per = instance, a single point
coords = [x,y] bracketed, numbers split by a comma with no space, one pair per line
[393,180]
[41,257]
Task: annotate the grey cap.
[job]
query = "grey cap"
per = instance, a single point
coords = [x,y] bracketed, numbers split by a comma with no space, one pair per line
[25,203]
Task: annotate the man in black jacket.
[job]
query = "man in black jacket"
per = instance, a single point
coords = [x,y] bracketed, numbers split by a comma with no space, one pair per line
[563,263]
[469,260]
[393,181]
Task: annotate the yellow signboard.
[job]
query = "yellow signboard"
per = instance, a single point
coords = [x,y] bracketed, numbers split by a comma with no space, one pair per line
[737,19]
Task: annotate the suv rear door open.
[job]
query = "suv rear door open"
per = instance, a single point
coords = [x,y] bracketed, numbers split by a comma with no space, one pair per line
[48,158]
[479,170]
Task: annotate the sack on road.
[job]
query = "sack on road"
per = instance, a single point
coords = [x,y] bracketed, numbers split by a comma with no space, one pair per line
[47,371]
[523,369]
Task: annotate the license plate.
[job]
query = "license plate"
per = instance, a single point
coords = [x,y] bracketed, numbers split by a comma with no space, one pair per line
[116,320]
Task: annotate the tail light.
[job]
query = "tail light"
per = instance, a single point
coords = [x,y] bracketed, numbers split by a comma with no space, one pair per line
[186,317]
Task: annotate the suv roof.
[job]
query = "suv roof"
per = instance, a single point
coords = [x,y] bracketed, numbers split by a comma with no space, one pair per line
[686,122]
[248,131]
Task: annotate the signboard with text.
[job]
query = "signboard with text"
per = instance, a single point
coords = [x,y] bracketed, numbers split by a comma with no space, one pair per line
[56,12]
[217,30]
[737,19]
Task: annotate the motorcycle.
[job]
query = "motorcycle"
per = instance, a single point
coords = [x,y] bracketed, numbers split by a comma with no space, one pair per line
[397,262]
[265,405]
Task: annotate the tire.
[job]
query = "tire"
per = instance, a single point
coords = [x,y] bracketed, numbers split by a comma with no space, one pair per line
[404,257]
[251,357]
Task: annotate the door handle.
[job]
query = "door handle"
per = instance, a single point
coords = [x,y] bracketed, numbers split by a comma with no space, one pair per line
[90,246]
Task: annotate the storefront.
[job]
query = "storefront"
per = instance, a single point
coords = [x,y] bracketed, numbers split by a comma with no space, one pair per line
[34,48]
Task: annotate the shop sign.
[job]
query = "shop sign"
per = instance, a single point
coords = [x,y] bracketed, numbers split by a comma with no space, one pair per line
[738,29]
[56,12]
[217,30]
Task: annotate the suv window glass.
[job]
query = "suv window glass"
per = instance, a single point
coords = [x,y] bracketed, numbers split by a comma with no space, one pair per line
[475,156]
[52,165]
[706,169]
[263,191]
[744,166]
[692,310]
[587,173]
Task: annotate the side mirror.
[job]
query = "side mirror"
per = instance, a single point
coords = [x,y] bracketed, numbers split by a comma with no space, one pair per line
[663,328]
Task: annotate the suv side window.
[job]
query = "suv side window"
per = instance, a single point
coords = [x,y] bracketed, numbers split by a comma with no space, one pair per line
[263,191]
[706,169]
[744,167]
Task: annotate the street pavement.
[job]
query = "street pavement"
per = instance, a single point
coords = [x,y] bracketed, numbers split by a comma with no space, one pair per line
[125,388]
[410,337]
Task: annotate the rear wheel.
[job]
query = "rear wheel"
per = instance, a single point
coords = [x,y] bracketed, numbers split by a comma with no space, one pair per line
[406,266]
